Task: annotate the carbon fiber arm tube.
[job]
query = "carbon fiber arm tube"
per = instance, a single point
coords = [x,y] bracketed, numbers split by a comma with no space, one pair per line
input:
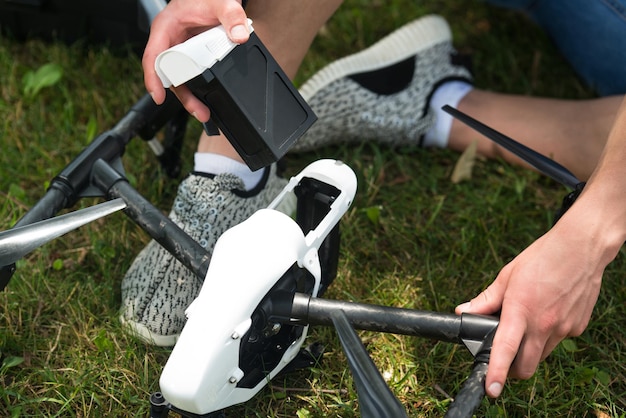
[151,220]
[439,326]
[471,394]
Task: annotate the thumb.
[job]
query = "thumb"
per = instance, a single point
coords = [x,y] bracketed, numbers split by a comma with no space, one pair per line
[489,301]
[235,22]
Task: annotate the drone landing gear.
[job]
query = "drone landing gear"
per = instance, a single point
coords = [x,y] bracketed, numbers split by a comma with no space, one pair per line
[160,408]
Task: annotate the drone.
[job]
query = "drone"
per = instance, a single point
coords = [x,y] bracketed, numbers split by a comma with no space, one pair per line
[250,320]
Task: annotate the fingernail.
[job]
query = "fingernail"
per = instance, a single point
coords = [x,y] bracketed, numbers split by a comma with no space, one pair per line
[495,389]
[464,307]
[152,95]
[239,32]
[195,116]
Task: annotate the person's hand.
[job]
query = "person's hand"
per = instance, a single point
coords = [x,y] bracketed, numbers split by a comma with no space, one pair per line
[545,294]
[179,21]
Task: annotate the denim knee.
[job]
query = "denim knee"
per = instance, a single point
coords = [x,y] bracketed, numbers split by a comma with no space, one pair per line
[588,33]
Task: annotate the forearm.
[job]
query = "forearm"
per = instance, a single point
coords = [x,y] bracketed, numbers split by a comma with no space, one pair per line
[600,210]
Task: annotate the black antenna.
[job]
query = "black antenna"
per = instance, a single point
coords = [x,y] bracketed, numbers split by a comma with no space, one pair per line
[540,162]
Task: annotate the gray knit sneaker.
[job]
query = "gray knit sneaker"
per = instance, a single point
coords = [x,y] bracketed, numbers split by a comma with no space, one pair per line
[382,93]
[158,288]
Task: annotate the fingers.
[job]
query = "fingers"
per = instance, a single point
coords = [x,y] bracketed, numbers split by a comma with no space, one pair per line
[158,42]
[511,344]
[488,301]
[516,349]
[232,16]
[507,338]
[180,20]
[506,343]
[192,104]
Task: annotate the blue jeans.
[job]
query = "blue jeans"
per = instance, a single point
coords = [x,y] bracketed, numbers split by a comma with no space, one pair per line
[591,34]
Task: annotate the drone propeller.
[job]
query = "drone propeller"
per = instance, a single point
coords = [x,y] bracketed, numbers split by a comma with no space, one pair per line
[375,398]
[540,162]
[17,242]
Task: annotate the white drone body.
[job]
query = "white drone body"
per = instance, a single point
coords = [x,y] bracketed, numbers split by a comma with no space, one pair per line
[203,370]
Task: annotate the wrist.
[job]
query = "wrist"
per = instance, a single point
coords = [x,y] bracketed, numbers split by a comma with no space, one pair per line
[597,221]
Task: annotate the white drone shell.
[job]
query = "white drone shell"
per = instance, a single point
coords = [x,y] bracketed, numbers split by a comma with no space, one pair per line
[202,371]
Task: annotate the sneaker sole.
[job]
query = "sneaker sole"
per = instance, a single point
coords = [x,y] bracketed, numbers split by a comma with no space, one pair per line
[144,334]
[405,42]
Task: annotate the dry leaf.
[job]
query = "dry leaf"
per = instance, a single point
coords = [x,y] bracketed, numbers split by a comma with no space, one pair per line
[465,164]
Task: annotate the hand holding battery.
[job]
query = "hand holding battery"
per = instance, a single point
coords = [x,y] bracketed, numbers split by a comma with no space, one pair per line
[251,99]
[177,22]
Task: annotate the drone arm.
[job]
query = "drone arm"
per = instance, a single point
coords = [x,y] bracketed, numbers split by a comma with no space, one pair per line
[468,329]
[471,394]
[375,397]
[169,235]
[53,201]
[474,331]
[318,311]
[66,187]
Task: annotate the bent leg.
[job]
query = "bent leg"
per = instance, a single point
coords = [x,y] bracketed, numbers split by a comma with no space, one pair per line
[572,132]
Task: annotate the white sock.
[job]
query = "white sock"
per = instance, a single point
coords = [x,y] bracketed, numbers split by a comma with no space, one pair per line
[449,93]
[205,162]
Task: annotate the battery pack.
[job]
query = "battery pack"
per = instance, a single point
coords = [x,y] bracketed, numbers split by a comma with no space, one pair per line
[251,99]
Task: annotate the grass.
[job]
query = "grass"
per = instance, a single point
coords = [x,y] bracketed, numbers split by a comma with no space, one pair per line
[432,244]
